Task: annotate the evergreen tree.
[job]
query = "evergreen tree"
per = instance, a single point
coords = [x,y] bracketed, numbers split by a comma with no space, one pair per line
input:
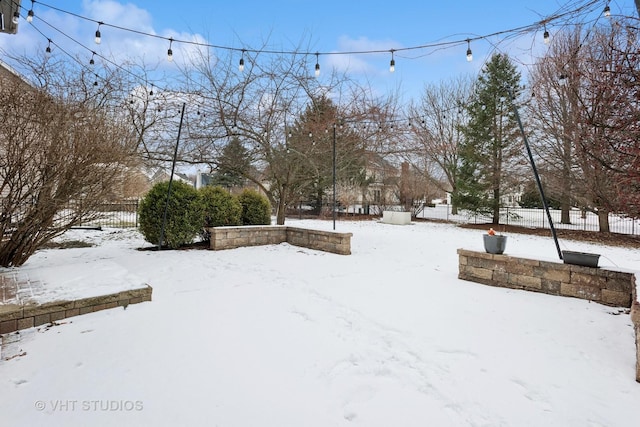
[233,165]
[310,149]
[491,141]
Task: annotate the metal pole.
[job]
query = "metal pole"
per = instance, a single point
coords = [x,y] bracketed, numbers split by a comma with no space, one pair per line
[535,173]
[173,168]
[334,176]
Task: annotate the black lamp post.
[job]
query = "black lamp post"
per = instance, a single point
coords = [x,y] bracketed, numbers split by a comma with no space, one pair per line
[334,176]
[535,172]
[173,168]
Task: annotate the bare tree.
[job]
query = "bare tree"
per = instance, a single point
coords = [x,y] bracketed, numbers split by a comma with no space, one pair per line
[589,123]
[260,107]
[554,115]
[61,153]
[436,132]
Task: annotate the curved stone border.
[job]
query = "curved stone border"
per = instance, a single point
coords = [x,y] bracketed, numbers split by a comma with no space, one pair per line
[15,317]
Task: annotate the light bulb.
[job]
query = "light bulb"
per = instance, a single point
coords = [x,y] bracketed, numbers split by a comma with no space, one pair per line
[170,51]
[607,11]
[392,66]
[16,17]
[545,37]
[317,72]
[241,65]
[563,79]
[98,37]
[30,15]
[469,54]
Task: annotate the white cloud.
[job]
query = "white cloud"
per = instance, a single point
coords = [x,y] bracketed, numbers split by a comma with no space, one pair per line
[115,13]
[361,63]
[75,35]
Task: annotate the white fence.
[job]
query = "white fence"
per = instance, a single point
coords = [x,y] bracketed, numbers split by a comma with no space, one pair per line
[536,218]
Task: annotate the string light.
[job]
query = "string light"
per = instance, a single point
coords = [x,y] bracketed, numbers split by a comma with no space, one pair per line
[92,62]
[581,9]
[241,65]
[170,52]
[98,38]
[607,11]
[16,17]
[545,36]
[563,79]
[440,45]
[30,14]
[392,64]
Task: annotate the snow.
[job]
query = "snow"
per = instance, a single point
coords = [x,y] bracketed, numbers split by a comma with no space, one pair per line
[287,336]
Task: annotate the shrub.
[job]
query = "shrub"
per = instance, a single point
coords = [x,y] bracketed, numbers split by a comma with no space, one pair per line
[184,214]
[256,209]
[220,207]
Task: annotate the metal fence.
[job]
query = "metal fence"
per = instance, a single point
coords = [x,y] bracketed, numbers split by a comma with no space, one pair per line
[120,214]
[537,218]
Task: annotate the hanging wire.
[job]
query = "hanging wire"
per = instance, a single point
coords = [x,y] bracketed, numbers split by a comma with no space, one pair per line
[562,14]
[565,12]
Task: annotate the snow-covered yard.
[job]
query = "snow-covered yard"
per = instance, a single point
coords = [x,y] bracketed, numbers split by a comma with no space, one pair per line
[287,336]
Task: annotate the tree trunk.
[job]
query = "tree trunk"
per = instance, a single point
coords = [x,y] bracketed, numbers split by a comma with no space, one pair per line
[496,206]
[565,197]
[603,221]
[454,208]
[281,214]
[564,213]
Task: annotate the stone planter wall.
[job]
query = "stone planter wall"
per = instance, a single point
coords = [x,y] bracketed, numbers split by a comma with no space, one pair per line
[235,237]
[16,317]
[609,287]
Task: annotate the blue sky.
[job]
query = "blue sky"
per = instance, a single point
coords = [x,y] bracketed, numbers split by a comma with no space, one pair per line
[315,26]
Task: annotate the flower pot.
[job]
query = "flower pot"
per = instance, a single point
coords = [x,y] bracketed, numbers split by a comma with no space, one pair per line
[580,258]
[494,244]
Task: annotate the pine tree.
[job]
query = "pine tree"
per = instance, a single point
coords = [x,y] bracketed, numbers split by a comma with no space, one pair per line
[491,141]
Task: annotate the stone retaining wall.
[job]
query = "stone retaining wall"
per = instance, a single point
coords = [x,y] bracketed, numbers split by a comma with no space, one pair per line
[235,237]
[613,288]
[635,318]
[15,317]
[609,287]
